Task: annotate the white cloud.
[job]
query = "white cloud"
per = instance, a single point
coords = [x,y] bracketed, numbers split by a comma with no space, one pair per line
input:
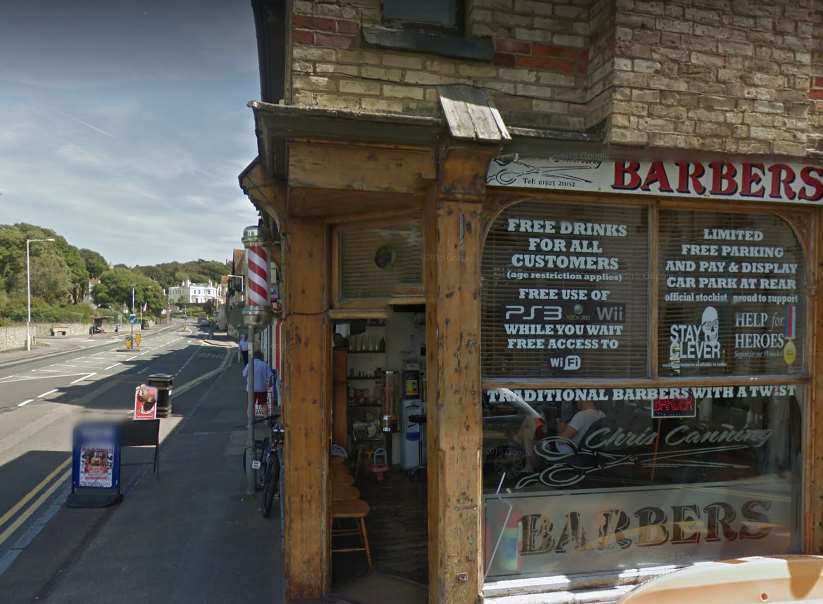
[124,127]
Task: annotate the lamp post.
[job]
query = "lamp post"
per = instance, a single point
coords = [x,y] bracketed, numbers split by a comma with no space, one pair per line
[28,288]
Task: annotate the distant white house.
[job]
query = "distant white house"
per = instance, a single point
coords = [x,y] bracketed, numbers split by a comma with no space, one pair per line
[195,293]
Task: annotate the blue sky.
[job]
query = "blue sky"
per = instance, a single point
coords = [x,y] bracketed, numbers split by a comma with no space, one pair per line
[123,124]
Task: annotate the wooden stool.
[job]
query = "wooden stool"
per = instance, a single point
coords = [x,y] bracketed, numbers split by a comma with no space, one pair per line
[357,510]
[342,479]
[344,492]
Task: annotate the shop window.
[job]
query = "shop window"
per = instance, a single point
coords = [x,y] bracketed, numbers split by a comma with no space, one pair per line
[731,300]
[565,292]
[681,442]
[380,263]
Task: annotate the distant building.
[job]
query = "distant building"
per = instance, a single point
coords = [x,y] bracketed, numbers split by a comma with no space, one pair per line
[195,293]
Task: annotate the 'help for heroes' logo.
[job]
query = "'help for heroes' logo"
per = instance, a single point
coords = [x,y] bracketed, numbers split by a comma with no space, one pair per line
[696,345]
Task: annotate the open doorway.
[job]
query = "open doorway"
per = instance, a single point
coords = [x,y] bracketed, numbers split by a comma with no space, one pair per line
[379,418]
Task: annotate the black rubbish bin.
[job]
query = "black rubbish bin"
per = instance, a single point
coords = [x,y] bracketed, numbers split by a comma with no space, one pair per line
[163,382]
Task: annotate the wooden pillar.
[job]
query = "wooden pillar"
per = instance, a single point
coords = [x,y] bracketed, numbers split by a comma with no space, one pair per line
[306,401]
[453,251]
[813,456]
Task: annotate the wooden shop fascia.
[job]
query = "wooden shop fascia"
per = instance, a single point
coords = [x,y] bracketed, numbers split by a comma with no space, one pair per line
[618,345]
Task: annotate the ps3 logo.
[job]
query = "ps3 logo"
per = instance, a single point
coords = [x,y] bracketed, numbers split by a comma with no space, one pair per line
[533,313]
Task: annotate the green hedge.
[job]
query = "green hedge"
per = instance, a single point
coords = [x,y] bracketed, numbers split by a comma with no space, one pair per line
[45,313]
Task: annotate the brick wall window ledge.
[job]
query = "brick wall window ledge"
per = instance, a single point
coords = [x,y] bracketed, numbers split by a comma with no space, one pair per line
[438,43]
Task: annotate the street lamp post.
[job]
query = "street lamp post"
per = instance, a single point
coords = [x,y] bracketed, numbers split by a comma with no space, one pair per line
[28,288]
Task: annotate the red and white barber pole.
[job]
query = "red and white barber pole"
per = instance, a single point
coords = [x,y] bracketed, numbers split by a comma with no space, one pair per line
[256,313]
[258,275]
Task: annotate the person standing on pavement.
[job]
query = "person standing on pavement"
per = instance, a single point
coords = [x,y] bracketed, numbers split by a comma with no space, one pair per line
[262,376]
[243,345]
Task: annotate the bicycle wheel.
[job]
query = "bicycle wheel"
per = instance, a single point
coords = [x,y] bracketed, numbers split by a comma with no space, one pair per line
[263,457]
[270,485]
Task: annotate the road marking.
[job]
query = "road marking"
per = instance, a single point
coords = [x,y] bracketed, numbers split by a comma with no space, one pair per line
[111,366]
[34,507]
[16,507]
[52,391]
[85,377]
[23,404]
[12,379]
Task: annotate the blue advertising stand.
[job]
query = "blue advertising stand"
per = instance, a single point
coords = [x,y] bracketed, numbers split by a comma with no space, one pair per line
[95,466]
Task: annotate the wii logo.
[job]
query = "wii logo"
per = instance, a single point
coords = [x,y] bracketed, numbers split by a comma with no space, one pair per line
[611,313]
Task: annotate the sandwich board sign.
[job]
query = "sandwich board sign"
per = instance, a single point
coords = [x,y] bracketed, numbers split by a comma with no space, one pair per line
[145,402]
[95,468]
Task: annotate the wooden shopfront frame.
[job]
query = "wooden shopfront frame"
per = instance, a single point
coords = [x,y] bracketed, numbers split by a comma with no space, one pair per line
[805,223]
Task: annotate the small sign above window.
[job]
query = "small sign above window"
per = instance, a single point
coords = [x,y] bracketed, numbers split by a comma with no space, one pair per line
[439,13]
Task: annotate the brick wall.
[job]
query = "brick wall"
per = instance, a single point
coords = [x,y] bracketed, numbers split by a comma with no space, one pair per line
[737,76]
[538,76]
[713,74]
[816,89]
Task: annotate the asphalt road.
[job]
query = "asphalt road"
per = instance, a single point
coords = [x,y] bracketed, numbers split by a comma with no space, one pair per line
[41,401]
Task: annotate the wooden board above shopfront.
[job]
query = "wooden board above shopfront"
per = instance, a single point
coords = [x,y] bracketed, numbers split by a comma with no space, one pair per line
[711,179]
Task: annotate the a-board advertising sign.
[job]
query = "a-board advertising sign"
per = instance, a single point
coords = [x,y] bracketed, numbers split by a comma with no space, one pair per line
[145,402]
[95,470]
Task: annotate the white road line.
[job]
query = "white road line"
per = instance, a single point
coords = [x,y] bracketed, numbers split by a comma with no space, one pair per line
[111,366]
[85,377]
[24,403]
[52,391]
[31,378]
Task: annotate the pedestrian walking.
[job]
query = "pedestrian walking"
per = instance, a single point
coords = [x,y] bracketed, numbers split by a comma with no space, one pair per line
[243,345]
[262,376]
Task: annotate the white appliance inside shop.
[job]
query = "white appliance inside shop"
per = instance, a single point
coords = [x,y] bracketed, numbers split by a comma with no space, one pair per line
[413,433]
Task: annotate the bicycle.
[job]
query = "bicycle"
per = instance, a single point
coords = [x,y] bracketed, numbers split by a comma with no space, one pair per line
[261,449]
[269,471]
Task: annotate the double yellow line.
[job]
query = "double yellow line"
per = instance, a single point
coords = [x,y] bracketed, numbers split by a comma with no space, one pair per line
[38,502]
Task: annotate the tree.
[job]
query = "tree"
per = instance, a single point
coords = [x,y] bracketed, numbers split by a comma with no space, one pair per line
[96,265]
[50,278]
[169,274]
[55,257]
[77,273]
[115,288]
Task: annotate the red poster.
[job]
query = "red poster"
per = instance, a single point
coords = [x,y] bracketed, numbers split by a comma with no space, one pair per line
[145,402]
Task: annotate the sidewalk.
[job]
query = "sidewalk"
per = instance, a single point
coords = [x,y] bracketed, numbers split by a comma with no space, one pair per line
[188,536]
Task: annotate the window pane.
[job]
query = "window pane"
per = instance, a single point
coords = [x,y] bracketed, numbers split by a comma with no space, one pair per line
[717,476]
[732,296]
[565,292]
[434,12]
[381,262]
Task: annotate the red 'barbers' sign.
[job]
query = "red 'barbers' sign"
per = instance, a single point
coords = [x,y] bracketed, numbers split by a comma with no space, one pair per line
[739,180]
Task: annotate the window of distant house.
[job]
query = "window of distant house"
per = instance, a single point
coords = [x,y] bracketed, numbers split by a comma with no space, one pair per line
[437,13]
